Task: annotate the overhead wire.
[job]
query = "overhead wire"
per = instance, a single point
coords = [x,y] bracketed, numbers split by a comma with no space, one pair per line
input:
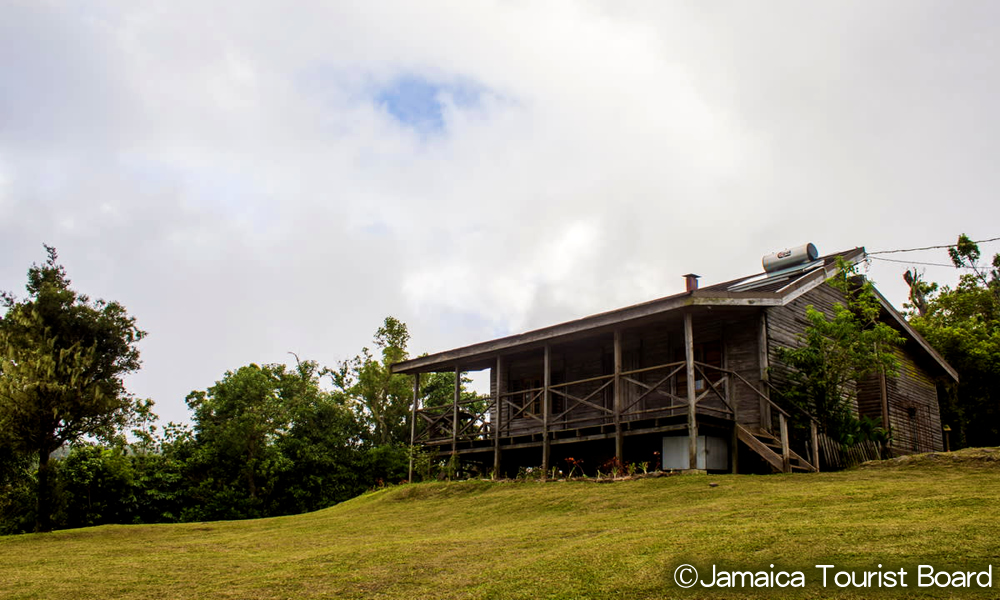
[869,255]
[914,262]
[929,247]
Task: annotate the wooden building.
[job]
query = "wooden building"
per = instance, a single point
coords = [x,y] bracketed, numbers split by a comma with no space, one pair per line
[688,381]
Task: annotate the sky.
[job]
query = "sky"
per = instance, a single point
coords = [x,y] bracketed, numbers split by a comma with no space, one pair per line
[256,178]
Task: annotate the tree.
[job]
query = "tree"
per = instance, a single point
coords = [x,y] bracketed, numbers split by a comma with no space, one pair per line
[963,324]
[839,352]
[62,363]
[327,456]
[438,389]
[97,485]
[268,440]
[237,422]
[17,491]
[965,255]
[382,397]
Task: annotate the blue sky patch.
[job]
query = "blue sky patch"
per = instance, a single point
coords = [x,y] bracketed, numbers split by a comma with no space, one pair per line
[419,102]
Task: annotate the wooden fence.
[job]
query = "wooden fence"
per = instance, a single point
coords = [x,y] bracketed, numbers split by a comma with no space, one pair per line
[838,456]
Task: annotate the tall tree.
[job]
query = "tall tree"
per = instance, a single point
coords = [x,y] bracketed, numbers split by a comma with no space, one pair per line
[383,398]
[268,440]
[327,455]
[237,422]
[963,324]
[62,363]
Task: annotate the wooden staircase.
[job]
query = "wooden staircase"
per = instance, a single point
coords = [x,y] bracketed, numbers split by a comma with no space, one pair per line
[779,456]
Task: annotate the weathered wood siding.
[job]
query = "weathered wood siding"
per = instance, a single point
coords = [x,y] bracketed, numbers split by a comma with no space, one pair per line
[870,398]
[647,347]
[913,409]
[743,357]
[572,362]
[518,369]
[914,417]
[786,325]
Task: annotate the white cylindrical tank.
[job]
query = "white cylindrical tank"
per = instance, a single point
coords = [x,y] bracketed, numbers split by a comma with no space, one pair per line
[789,257]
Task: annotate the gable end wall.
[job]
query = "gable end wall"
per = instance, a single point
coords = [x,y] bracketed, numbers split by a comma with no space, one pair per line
[914,416]
[785,325]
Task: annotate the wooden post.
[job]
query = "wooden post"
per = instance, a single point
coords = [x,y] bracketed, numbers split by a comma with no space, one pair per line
[734,448]
[692,409]
[546,409]
[786,458]
[730,388]
[762,358]
[498,377]
[454,412]
[413,421]
[618,400]
[814,436]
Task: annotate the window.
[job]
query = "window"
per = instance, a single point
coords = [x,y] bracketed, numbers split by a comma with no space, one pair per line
[530,400]
[528,394]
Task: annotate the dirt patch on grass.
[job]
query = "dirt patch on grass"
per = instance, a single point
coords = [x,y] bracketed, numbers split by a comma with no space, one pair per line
[984,457]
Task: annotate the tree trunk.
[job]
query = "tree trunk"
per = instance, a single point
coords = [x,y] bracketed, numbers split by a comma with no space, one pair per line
[252,484]
[44,499]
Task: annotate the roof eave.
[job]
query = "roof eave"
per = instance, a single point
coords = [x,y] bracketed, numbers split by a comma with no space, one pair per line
[479,351]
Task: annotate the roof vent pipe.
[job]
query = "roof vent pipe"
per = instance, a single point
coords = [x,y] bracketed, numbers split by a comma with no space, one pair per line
[789,257]
[691,281]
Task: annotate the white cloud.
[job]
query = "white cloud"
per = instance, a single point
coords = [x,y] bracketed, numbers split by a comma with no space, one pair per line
[228,173]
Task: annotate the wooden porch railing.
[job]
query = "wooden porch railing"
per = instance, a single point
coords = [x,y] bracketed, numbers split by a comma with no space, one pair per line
[437,423]
[580,408]
[475,420]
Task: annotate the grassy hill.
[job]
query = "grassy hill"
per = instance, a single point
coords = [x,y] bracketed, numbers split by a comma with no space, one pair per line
[575,539]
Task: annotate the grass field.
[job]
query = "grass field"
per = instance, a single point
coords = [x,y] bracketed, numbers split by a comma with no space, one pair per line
[574,539]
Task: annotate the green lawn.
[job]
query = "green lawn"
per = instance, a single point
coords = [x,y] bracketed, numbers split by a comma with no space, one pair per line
[576,539]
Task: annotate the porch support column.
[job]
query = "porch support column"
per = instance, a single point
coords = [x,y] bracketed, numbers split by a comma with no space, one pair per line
[546,409]
[454,411]
[619,437]
[692,413]
[733,402]
[734,442]
[413,421]
[499,379]
[762,358]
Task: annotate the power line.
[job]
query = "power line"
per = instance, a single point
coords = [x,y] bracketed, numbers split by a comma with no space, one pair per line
[930,247]
[913,262]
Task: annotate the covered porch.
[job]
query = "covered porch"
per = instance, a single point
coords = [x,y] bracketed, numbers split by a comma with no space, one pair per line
[616,391]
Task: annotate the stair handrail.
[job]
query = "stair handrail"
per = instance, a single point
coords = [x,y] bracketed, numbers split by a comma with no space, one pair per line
[806,413]
[813,425]
[762,395]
